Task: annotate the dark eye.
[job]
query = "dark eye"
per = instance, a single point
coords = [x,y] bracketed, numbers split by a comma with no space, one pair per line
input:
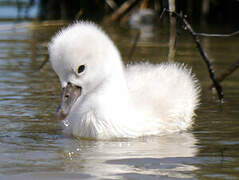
[81,68]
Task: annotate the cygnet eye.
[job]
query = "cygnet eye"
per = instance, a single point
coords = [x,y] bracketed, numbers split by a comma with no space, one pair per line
[81,69]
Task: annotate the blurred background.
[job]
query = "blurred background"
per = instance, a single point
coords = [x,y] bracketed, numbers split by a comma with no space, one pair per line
[210,11]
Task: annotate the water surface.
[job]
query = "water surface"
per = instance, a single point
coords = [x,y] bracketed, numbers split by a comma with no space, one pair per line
[33,145]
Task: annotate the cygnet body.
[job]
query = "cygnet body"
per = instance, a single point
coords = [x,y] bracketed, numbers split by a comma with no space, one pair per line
[104,99]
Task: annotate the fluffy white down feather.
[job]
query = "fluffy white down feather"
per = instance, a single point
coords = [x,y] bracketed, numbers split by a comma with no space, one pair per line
[120,101]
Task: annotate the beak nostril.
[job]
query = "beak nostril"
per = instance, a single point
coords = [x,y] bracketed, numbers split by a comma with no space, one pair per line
[78,87]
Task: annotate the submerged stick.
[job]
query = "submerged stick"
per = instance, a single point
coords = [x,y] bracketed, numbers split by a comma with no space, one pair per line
[45,60]
[134,45]
[188,28]
[172,33]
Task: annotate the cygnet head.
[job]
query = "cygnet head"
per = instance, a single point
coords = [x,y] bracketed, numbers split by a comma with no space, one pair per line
[83,57]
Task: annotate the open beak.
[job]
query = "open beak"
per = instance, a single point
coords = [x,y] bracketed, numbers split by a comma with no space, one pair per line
[70,94]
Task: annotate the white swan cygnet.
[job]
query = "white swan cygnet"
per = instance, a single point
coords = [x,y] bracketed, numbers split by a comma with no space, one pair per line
[104,99]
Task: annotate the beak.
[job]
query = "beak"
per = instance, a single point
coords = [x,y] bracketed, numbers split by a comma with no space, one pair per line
[69,95]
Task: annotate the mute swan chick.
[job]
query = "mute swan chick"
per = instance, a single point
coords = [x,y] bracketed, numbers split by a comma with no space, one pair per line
[102,99]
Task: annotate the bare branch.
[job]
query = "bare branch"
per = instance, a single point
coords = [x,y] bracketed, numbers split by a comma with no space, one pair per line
[134,45]
[188,28]
[121,10]
[228,72]
[45,60]
[218,35]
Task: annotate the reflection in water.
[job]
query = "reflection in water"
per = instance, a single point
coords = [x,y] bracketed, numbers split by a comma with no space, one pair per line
[155,156]
[144,20]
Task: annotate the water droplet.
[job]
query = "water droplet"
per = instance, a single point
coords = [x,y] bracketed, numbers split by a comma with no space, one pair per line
[66,123]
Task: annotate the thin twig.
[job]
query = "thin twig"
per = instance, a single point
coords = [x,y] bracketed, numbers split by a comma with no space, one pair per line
[218,35]
[144,4]
[45,60]
[162,14]
[228,72]
[121,10]
[111,3]
[188,28]
[134,45]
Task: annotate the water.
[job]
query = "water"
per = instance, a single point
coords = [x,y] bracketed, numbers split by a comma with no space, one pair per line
[17,9]
[33,146]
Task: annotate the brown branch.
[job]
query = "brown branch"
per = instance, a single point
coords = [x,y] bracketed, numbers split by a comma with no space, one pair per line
[162,14]
[112,4]
[218,35]
[188,28]
[134,45]
[125,18]
[121,10]
[45,60]
[228,72]
[144,4]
